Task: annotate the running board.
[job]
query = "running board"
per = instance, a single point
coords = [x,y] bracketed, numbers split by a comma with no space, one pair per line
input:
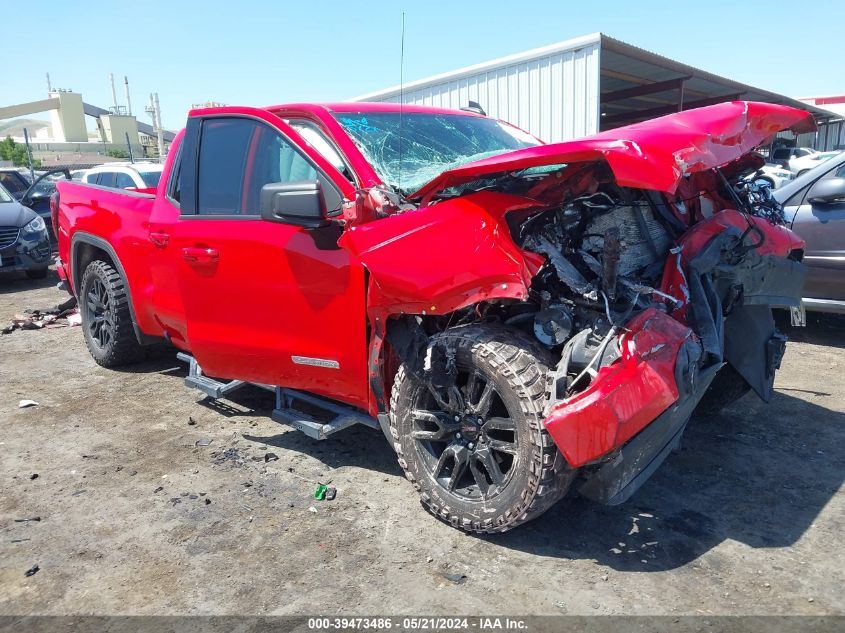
[209,386]
[338,416]
[341,416]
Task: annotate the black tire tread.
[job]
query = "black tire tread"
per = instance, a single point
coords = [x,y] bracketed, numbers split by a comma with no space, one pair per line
[125,348]
[522,363]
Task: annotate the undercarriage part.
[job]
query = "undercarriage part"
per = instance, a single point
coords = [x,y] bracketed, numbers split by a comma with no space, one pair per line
[491,466]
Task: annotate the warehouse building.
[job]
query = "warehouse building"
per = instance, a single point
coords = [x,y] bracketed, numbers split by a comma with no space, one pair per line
[589,84]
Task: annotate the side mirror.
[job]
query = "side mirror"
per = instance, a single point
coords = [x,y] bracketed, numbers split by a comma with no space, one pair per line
[300,203]
[827,191]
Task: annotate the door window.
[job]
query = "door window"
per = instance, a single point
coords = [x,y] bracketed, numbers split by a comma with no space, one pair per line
[106,179]
[238,156]
[123,181]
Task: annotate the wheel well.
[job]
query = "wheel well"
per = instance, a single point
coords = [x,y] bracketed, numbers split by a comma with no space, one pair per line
[84,254]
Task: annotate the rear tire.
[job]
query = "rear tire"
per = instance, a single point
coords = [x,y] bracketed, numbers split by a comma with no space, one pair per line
[106,318]
[505,469]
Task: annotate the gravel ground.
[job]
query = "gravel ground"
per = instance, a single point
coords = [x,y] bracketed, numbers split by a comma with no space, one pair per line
[137,516]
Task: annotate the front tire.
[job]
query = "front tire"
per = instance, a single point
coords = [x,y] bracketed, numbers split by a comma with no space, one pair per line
[106,319]
[496,467]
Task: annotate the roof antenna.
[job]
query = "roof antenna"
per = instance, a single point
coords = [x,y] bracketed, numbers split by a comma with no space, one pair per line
[401,95]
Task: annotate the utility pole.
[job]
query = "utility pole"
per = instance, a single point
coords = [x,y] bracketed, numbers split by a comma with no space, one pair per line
[128,100]
[113,92]
[129,146]
[28,155]
[154,110]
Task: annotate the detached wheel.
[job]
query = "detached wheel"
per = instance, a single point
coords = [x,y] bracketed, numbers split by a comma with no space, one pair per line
[106,320]
[488,465]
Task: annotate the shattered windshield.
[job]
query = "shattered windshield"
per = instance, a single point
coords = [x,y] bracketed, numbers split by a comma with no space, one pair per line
[426,145]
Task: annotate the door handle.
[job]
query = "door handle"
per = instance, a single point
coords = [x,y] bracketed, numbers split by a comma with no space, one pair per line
[200,254]
[159,239]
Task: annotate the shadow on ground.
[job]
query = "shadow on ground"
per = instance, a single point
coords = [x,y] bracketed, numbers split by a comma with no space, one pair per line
[756,474]
[19,282]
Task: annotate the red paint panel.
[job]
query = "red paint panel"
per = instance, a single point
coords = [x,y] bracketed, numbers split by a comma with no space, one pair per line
[625,396]
[444,257]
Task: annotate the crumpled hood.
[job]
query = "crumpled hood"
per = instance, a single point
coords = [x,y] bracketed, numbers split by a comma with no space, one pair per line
[15,214]
[654,154]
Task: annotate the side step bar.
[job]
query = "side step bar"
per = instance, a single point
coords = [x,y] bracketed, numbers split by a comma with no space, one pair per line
[337,416]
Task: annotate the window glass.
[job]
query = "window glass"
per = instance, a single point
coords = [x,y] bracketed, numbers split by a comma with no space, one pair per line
[237,157]
[106,179]
[92,179]
[13,183]
[123,181]
[840,173]
[150,178]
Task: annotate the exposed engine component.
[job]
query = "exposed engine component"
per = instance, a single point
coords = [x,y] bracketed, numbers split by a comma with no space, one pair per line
[553,326]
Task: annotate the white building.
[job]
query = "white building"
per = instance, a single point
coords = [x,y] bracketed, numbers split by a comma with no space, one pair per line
[582,86]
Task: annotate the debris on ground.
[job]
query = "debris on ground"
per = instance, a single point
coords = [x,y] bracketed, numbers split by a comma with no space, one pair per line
[207,501]
[203,442]
[27,520]
[331,493]
[33,476]
[46,318]
[159,489]
[457,579]
[31,571]
[191,421]
[320,492]
[312,509]
[270,457]
[23,404]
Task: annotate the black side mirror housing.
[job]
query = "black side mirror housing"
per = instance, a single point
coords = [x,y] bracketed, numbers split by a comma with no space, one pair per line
[301,203]
[827,191]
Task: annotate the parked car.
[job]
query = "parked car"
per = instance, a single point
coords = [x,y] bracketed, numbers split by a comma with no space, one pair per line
[814,206]
[137,176]
[773,175]
[515,317]
[799,160]
[24,241]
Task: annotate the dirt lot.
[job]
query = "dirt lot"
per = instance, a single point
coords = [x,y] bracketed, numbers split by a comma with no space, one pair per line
[749,517]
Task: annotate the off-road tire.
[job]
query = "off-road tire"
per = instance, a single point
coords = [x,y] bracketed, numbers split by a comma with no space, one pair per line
[517,367]
[37,273]
[122,347]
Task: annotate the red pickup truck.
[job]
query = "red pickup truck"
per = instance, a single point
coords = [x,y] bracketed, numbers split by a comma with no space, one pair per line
[514,316]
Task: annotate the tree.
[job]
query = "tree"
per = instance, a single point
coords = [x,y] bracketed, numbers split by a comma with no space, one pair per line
[117,153]
[9,150]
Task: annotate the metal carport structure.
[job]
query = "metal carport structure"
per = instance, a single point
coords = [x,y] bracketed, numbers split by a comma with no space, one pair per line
[582,86]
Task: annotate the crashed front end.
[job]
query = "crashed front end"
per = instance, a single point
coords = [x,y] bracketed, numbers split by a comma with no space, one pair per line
[646,264]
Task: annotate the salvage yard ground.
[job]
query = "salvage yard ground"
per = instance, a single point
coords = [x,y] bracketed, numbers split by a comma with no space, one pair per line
[154,501]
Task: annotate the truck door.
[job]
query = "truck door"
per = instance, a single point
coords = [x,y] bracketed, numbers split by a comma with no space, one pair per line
[264,301]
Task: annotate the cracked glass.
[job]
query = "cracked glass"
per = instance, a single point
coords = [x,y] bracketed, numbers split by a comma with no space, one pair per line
[410,149]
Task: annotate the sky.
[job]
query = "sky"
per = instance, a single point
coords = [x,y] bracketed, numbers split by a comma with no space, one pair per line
[262,53]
